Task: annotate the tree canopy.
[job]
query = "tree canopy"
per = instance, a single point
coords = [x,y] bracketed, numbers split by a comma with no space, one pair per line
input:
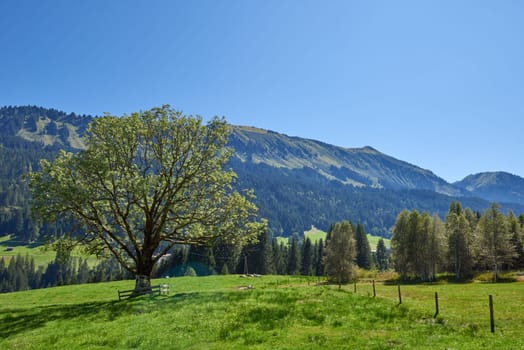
[145,183]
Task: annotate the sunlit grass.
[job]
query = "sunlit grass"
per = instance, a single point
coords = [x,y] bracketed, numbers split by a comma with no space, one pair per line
[315,235]
[271,312]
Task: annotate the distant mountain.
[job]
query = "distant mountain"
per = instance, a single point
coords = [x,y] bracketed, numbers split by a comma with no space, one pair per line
[495,186]
[301,182]
[297,182]
[359,167]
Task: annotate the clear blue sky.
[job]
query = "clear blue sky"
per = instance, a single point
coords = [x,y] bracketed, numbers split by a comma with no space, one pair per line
[439,84]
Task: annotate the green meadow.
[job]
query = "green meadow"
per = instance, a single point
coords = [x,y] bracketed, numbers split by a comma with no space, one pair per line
[315,235]
[10,246]
[271,312]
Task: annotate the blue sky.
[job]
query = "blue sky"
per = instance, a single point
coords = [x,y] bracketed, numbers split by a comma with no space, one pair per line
[439,84]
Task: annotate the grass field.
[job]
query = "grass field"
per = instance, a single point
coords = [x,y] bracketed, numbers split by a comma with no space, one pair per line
[373,241]
[315,234]
[221,312]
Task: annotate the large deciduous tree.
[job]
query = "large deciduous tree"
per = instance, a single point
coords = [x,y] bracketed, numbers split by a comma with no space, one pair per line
[145,183]
[381,255]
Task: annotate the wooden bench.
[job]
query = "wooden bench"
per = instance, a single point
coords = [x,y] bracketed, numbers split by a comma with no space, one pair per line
[161,289]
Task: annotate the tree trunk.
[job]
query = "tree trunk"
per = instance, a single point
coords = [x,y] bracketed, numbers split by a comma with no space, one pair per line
[143,275]
[495,272]
[142,283]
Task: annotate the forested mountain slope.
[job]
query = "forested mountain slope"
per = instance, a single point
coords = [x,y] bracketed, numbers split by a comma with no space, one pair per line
[28,134]
[298,182]
[301,182]
[360,167]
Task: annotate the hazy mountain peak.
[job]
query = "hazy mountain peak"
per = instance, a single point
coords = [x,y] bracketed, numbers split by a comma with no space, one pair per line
[496,186]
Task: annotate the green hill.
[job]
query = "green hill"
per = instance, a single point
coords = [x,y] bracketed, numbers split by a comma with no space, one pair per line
[229,312]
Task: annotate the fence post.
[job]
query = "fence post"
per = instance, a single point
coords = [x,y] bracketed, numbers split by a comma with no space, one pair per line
[491,314]
[399,295]
[354,286]
[374,293]
[436,305]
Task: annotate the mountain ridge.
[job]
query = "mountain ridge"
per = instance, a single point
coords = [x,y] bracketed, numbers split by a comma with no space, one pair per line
[363,166]
[298,182]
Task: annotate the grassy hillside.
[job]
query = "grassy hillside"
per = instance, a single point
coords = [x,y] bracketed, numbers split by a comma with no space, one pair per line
[10,246]
[220,312]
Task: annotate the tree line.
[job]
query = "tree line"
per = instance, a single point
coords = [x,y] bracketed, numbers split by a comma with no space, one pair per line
[297,256]
[466,241]
[423,246]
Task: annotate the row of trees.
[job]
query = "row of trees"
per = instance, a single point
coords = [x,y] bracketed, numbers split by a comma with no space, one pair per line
[267,256]
[271,256]
[424,245]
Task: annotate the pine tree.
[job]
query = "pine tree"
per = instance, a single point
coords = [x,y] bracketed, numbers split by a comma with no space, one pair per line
[381,256]
[259,256]
[516,233]
[293,262]
[307,258]
[364,259]
[319,263]
[280,253]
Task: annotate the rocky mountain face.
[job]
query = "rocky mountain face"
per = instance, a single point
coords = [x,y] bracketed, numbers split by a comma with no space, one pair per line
[298,182]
